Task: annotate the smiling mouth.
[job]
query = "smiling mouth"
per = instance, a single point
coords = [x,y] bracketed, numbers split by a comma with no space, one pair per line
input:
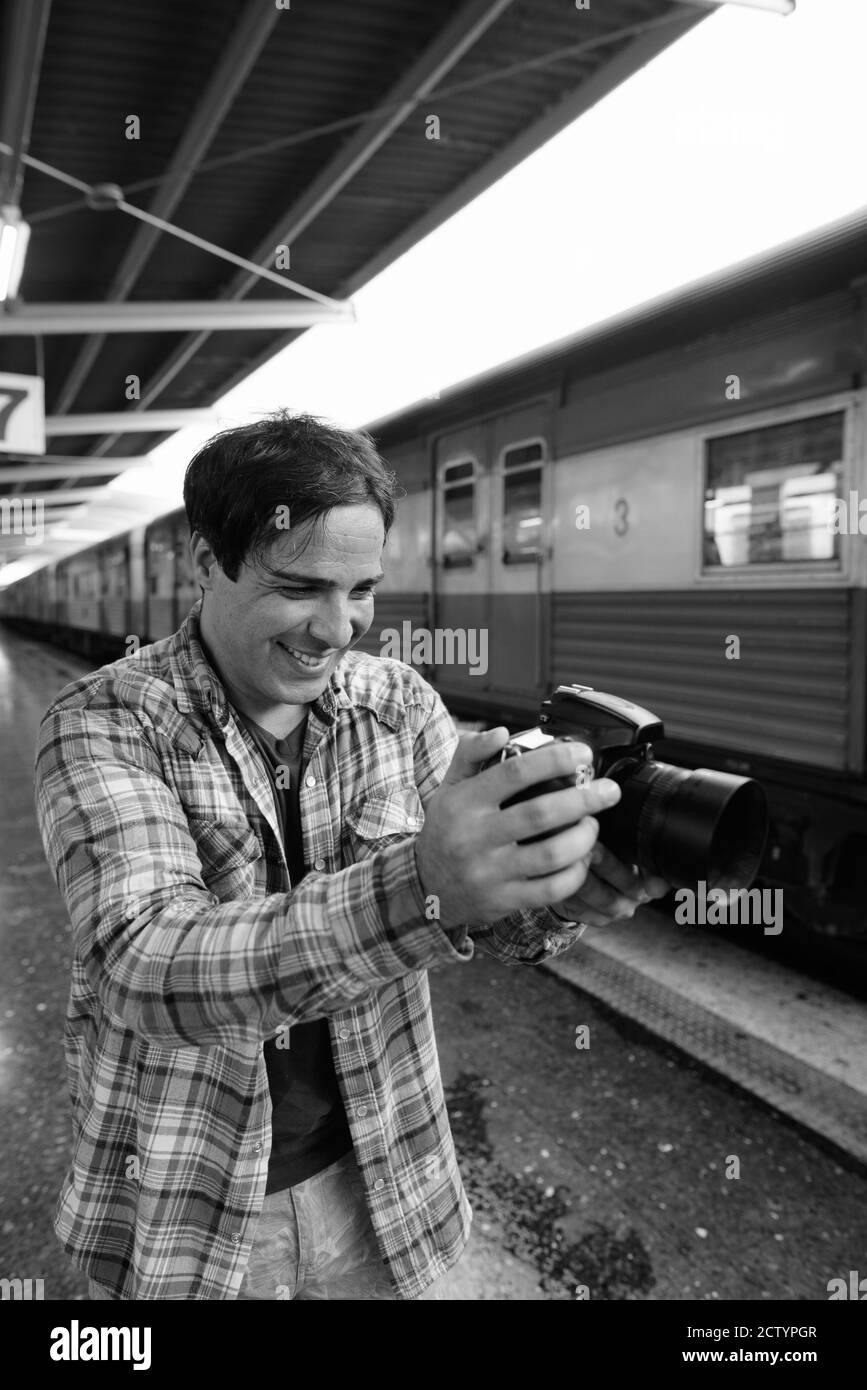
[313,663]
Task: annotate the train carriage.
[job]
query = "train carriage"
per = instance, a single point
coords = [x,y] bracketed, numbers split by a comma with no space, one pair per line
[652,508]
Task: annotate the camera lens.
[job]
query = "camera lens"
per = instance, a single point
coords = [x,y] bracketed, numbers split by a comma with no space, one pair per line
[687,826]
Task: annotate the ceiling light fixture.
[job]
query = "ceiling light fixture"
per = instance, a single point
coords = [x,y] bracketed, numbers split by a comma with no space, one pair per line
[14,236]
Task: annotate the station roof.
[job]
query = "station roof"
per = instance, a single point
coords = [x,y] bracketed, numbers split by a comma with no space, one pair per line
[297,123]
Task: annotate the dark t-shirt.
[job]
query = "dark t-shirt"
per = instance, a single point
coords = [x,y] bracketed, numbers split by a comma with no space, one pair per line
[309,1128]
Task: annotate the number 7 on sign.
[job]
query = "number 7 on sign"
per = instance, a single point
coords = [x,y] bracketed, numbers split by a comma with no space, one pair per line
[22,414]
[10,397]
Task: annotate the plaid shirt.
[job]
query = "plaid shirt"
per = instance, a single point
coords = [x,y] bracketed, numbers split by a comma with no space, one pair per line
[190,949]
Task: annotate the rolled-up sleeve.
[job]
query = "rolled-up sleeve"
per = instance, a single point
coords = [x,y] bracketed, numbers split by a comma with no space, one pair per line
[159,951]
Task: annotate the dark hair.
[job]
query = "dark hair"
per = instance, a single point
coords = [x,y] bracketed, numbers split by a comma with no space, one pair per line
[237,481]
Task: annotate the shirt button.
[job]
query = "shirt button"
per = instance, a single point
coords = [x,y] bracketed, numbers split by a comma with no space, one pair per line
[379,1184]
[236,1239]
[361,1111]
[412,822]
[319,864]
[345,1033]
[310,781]
[257,1148]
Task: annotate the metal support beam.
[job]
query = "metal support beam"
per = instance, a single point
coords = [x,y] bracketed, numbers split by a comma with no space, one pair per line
[71,468]
[65,497]
[629,59]
[227,80]
[452,44]
[31,320]
[129,422]
[783,7]
[23,44]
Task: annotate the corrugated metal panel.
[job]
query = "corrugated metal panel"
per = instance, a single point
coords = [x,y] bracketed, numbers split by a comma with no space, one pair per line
[391,611]
[789,695]
[116,619]
[161,617]
[85,614]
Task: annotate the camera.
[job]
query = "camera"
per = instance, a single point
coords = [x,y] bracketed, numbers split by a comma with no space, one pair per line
[682,825]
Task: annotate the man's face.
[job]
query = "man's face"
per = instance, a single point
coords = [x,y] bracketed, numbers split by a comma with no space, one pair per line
[276,633]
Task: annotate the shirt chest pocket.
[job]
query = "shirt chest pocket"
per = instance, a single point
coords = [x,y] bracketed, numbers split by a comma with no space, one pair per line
[230,856]
[382,819]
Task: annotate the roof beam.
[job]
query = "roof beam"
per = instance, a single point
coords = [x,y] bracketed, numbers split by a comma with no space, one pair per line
[33,320]
[67,497]
[448,48]
[129,421]
[71,468]
[228,78]
[641,50]
[453,42]
[23,43]
[783,7]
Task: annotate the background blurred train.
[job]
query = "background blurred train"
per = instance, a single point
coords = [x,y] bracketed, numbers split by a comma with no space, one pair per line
[647,508]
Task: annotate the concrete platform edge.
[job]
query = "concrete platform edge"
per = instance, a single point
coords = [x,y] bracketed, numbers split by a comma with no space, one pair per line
[805,1093]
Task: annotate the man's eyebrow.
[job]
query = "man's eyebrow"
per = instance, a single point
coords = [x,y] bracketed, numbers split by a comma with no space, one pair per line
[314,581]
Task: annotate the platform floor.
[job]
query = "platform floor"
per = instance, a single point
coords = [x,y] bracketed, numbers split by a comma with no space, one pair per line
[604,1166]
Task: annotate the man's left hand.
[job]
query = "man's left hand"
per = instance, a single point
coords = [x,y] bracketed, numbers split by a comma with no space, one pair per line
[611,892]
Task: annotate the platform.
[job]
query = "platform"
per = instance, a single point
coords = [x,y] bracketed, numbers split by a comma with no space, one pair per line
[603,1168]
[793,1042]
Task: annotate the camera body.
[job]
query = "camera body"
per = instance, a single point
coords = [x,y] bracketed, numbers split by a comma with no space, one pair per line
[684,826]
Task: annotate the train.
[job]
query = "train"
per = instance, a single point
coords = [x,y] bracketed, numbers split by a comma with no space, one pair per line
[665,506]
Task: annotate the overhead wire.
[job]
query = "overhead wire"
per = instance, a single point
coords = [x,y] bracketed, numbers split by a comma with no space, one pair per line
[384,109]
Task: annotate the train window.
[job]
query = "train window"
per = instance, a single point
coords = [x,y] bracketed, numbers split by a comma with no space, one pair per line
[114,565]
[460,537]
[769,493]
[160,562]
[522,503]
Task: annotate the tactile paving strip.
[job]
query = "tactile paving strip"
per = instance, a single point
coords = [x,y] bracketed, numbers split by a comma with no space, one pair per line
[809,1095]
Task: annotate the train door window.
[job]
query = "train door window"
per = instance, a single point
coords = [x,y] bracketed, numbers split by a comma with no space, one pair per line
[160,562]
[770,492]
[459,535]
[114,563]
[521,467]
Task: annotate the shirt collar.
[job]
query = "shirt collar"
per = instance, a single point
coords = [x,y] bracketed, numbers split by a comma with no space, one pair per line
[199,689]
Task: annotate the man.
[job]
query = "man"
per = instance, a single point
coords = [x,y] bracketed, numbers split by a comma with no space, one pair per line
[264,841]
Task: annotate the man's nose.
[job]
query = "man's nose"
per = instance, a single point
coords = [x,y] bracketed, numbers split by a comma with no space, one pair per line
[331,624]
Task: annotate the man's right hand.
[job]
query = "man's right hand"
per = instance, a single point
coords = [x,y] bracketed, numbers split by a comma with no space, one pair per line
[467,851]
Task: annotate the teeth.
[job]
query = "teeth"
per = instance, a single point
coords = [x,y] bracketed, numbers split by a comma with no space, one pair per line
[303,657]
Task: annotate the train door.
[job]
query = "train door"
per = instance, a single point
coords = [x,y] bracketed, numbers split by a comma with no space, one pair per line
[160,570]
[461,563]
[492,555]
[519,550]
[85,596]
[114,560]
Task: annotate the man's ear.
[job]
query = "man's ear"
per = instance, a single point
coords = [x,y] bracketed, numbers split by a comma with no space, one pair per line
[204,561]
